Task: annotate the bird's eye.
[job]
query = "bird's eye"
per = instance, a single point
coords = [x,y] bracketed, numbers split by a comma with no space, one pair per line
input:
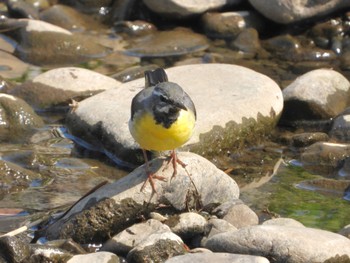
[163,98]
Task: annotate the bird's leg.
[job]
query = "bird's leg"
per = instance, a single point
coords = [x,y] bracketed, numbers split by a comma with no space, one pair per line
[174,160]
[150,175]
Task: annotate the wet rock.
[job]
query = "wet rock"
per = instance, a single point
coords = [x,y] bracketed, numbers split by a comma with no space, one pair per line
[283,244]
[324,153]
[157,247]
[68,18]
[179,41]
[11,67]
[308,138]
[43,44]
[66,244]
[288,11]
[186,8]
[17,118]
[187,225]
[126,240]
[240,215]
[22,9]
[99,257]
[340,128]
[134,28]
[318,94]
[217,258]
[247,41]
[57,87]
[13,249]
[14,178]
[280,221]
[43,253]
[121,203]
[257,97]
[133,73]
[229,24]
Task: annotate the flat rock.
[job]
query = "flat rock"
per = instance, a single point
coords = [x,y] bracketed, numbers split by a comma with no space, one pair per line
[217,258]
[318,94]
[121,203]
[289,11]
[283,244]
[57,87]
[230,100]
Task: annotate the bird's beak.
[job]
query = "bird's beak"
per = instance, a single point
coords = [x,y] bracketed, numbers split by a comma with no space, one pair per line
[180,105]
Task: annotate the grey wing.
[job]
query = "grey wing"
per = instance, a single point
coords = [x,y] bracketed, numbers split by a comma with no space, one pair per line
[140,100]
[189,104]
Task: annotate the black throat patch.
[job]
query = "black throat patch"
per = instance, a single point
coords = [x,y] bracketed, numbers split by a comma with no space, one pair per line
[166,116]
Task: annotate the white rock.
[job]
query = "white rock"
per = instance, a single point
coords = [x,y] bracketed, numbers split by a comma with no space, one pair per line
[228,98]
[189,224]
[76,79]
[283,222]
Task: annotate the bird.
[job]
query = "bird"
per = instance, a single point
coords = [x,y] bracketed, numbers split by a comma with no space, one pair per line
[163,118]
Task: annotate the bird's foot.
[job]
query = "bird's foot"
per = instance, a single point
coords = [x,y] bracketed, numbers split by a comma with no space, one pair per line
[174,160]
[150,178]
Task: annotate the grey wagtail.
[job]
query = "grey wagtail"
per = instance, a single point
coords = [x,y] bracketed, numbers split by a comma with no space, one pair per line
[163,117]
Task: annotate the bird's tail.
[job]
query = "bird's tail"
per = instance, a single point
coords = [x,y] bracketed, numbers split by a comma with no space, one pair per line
[153,77]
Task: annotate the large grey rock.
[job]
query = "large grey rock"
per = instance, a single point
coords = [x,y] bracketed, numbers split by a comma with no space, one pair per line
[318,94]
[280,221]
[113,207]
[126,240]
[283,244]
[217,258]
[230,100]
[289,11]
[56,87]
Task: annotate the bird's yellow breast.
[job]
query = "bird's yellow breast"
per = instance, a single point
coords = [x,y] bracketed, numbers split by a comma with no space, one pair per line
[152,136]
